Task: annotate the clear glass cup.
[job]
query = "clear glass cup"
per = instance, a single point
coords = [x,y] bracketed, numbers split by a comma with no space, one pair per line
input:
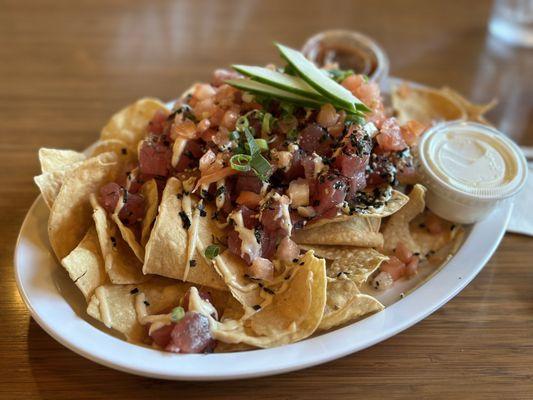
[512,21]
[351,50]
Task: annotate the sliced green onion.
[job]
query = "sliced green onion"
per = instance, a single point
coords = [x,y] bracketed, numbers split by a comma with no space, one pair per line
[242,123]
[287,109]
[266,123]
[262,144]
[261,166]
[252,145]
[177,314]
[240,162]
[212,251]
[292,135]
[234,135]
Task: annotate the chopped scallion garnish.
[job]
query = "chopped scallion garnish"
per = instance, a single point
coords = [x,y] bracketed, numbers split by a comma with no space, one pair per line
[240,162]
[177,314]
[266,123]
[261,167]
[212,251]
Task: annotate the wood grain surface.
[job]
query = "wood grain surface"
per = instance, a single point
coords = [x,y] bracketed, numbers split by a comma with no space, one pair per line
[65,66]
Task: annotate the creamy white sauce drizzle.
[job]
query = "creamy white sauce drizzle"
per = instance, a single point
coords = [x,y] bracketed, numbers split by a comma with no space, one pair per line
[249,244]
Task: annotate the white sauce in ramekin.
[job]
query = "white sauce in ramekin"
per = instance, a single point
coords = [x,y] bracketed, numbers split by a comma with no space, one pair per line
[468,168]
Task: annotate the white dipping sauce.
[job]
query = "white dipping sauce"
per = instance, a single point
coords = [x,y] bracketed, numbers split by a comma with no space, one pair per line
[468,168]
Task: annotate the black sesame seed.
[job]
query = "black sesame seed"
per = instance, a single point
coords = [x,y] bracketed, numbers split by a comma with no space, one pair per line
[133,291]
[257,307]
[192,263]
[185,220]
[146,303]
[124,151]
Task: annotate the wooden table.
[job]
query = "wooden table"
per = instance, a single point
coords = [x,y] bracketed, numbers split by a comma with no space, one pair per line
[66,66]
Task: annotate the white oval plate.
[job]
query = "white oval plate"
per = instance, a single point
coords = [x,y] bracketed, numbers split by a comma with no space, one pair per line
[59,309]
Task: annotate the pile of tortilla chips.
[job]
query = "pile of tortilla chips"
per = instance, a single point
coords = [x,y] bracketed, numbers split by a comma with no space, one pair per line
[326,287]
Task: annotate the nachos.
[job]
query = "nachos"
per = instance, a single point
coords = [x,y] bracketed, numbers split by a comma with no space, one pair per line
[257,210]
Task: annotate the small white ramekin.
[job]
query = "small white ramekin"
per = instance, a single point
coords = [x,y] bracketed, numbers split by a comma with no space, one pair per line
[455,201]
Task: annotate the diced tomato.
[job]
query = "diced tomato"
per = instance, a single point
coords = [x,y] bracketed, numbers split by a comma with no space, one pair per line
[403,253]
[390,137]
[249,199]
[185,129]
[157,125]
[328,116]
[395,267]
[287,250]
[434,224]
[411,131]
[109,195]
[412,266]
[261,268]
[367,92]
[191,334]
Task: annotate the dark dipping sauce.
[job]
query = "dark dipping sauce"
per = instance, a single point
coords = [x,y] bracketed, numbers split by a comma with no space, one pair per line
[347,57]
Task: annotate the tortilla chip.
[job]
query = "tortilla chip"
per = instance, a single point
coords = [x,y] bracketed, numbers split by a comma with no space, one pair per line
[50,183]
[474,112]
[397,201]
[293,314]
[151,200]
[128,235]
[114,305]
[166,250]
[55,166]
[52,160]
[124,152]
[233,271]
[357,231]
[70,216]
[130,124]
[346,303]
[430,243]
[120,262]
[425,105]
[85,264]
[397,228]
[358,267]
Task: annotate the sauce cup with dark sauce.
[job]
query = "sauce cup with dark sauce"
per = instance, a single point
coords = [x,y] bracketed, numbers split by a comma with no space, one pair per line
[350,50]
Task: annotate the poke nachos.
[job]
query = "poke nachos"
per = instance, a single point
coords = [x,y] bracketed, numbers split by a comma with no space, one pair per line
[263,207]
